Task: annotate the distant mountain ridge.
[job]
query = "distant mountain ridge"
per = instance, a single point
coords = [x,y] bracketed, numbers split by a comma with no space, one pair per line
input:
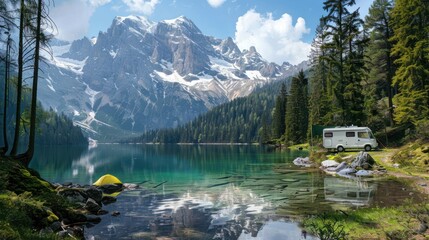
[141,75]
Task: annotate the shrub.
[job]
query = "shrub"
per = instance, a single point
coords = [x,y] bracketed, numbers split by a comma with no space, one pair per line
[422,129]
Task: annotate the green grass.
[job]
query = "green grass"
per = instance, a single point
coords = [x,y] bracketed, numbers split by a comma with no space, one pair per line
[401,222]
[375,223]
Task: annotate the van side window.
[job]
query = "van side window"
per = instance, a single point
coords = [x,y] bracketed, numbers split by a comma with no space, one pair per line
[363,135]
[350,134]
[328,134]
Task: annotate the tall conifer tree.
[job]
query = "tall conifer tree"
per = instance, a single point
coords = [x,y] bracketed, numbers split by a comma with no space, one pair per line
[410,21]
[297,110]
[344,48]
[280,113]
[379,64]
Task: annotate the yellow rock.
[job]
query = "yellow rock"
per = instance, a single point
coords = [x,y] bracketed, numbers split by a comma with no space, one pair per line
[107,179]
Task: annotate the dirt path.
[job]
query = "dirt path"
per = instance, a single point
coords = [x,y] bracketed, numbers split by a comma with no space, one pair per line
[420,181]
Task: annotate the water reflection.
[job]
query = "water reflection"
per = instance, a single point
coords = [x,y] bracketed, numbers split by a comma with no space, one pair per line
[356,191]
[225,213]
[209,192]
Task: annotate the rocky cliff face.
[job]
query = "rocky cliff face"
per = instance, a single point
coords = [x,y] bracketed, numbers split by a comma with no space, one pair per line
[141,75]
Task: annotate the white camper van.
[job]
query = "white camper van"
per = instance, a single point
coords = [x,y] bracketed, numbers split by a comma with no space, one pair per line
[342,138]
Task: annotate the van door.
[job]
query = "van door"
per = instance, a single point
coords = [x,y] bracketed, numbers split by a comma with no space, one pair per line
[351,140]
[363,138]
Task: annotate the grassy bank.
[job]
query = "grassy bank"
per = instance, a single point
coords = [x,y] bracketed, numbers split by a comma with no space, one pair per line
[403,222]
[28,204]
[408,164]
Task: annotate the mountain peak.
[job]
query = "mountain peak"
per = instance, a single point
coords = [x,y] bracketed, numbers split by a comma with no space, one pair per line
[136,21]
[165,72]
[182,22]
[179,20]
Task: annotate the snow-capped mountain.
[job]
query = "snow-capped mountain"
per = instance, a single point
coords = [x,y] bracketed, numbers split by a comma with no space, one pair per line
[142,75]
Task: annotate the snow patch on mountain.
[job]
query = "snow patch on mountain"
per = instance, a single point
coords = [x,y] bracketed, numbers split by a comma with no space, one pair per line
[141,75]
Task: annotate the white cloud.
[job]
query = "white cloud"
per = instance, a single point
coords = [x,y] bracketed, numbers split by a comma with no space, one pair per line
[216,3]
[145,7]
[276,40]
[98,3]
[69,26]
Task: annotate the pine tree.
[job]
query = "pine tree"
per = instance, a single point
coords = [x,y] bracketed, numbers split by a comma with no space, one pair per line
[379,64]
[344,55]
[297,110]
[280,113]
[410,23]
[319,99]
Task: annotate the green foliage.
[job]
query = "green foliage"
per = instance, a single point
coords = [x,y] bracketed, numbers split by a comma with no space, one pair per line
[422,129]
[297,110]
[57,129]
[411,47]
[279,114]
[52,128]
[338,63]
[327,227]
[413,156]
[379,64]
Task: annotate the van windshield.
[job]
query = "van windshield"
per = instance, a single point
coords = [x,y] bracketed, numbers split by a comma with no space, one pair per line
[363,135]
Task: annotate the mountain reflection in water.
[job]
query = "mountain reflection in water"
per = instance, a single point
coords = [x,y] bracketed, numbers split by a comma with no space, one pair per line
[228,213]
[210,192]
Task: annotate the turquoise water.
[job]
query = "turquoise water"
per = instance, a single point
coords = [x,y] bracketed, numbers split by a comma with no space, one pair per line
[209,191]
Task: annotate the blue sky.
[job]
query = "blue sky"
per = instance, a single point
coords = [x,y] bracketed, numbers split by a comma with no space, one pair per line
[281,30]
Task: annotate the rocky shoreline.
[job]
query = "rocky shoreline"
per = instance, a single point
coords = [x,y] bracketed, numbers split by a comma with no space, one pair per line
[89,201]
[362,165]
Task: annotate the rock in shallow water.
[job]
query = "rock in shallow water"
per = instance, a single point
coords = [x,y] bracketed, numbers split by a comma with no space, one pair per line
[92,206]
[305,162]
[94,193]
[329,163]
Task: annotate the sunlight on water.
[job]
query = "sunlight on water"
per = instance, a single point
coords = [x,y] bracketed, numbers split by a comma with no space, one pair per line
[209,192]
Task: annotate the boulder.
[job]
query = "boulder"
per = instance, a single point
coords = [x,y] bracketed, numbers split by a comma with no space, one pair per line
[73,195]
[340,166]
[346,171]
[364,173]
[94,193]
[305,162]
[329,163]
[92,206]
[92,218]
[363,160]
[111,188]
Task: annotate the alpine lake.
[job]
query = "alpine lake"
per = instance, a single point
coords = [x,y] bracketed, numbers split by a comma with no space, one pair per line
[210,191]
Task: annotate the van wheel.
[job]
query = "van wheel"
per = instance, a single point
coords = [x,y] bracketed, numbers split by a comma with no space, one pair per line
[340,149]
[367,148]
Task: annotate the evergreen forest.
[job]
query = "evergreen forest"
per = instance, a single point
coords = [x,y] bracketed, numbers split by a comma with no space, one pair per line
[243,120]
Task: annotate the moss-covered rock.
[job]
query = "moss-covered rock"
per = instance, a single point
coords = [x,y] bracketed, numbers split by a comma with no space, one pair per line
[29,203]
[414,156]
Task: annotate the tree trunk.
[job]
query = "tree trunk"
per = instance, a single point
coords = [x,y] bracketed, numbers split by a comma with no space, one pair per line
[30,150]
[19,83]
[6,97]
